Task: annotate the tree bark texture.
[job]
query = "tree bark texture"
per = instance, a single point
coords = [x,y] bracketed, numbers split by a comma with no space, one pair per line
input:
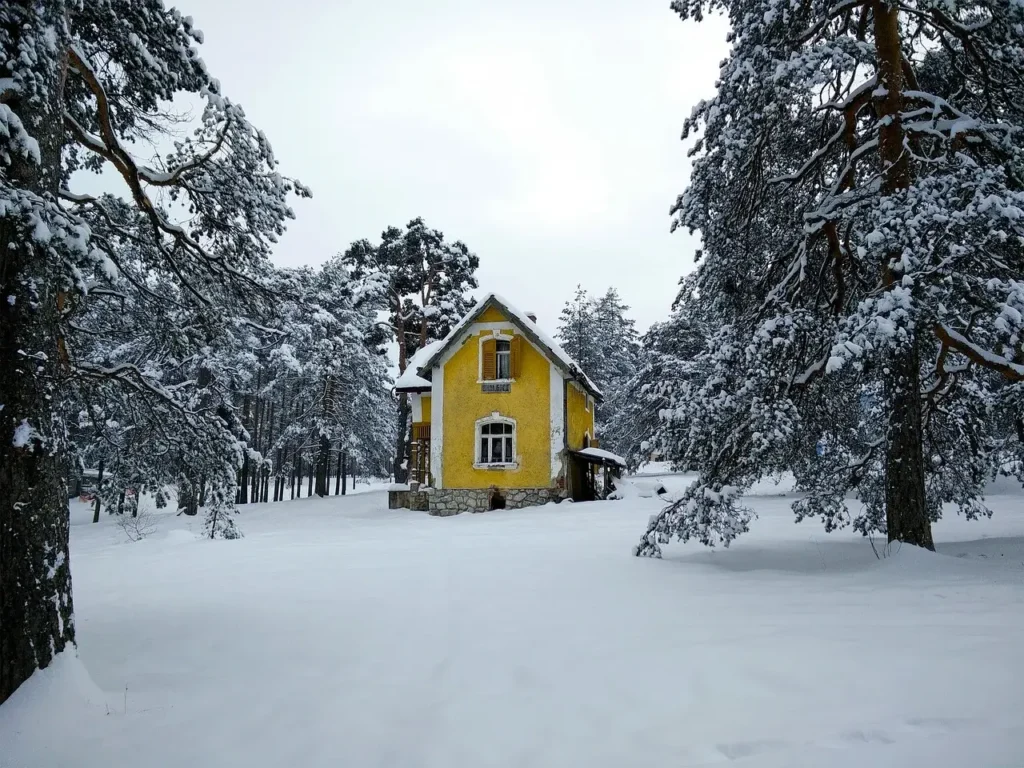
[36,615]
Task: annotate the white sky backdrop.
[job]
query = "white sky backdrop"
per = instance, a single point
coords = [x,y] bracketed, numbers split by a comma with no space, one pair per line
[544,134]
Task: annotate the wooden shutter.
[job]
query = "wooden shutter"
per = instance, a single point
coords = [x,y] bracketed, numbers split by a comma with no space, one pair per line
[490,361]
[516,354]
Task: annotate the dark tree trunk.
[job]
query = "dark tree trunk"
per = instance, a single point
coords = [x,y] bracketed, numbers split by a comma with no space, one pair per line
[344,473]
[36,617]
[337,475]
[312,472]
[906,508]
[291,475]
[323,467]
[99,487]
[242,494]
[906,511]
[202,493]
[278,477]
[400,469]
[268,431]
[120,502]
[297,480]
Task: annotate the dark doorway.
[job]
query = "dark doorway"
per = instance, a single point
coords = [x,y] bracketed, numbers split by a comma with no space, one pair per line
[581,482]
[497,501]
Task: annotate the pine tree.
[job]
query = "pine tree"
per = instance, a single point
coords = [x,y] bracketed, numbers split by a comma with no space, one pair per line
[599,336]
[857,188]
[81,84]
[667,363]
[423,281]
[578,334]
[619,353]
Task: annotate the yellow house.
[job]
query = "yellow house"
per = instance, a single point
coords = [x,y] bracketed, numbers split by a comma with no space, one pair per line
[502,417]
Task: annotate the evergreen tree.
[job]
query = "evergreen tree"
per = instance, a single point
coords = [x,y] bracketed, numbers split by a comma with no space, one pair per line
[423,281]
[599,336]
[80,86]
[667,363]
[857,187]
[578,334]
[619,354]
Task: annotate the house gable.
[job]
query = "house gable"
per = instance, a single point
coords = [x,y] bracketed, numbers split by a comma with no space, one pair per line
[500,314]
[492,315]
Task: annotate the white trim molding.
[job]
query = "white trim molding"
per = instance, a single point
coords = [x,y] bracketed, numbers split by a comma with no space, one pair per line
[495,418]
[416,402]
[557,419]
[437,426]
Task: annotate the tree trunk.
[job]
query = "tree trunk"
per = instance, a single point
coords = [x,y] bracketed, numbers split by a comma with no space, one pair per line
[295,470]
[278,477]
[400,469]
[36,617]
[99,486]
[344,473]
[906,511]
[323,467]
[337,475]
[906,508]
[242,493]
[312,473]
[268,432]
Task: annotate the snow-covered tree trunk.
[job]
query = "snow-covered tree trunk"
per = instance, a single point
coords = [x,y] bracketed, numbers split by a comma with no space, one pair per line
[905,500]
[36,619]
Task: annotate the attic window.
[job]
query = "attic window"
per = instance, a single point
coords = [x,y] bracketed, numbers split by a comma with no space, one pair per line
[503,359]
[500,358]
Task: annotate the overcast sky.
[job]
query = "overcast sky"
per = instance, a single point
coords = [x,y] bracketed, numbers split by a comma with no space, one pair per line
[542,133]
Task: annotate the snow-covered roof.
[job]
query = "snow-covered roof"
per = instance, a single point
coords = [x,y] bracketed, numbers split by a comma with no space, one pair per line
[411,379]
[529,328]
[600,453]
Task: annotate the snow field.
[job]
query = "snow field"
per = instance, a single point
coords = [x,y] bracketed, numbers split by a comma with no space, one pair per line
[338,632]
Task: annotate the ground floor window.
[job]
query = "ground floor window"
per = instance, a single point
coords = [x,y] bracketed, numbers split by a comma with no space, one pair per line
[496,442]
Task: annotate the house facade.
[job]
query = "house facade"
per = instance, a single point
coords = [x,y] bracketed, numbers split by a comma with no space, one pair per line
[501,417]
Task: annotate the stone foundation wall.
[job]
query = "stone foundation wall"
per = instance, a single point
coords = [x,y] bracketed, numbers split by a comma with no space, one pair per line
[416,500]
[452,501]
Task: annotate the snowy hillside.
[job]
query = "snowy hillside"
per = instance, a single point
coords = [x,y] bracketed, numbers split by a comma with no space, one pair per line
[339,633]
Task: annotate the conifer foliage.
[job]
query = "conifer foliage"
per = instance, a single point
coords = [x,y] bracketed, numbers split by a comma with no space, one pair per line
[598,334]
[857,185]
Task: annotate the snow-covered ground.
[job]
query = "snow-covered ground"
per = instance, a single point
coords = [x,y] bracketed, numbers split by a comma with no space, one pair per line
[339,633]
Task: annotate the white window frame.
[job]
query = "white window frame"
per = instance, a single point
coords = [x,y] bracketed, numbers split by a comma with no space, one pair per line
[495,418]
[497,335]
[507,355]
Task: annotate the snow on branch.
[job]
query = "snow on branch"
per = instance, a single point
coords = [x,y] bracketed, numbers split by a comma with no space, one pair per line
[976,354]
